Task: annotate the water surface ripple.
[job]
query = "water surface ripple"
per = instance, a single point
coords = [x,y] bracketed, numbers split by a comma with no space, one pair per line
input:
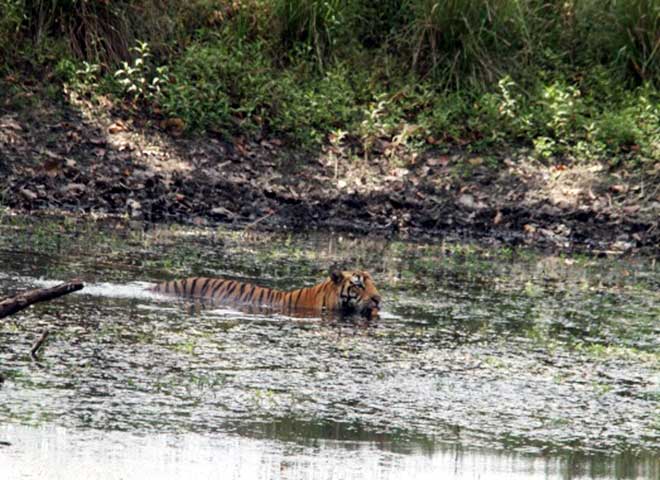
[478,350]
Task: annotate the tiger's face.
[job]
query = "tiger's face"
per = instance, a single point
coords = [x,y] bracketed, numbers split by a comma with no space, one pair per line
[357,293]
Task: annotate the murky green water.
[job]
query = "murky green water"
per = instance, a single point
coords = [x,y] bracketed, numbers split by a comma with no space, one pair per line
[486,363]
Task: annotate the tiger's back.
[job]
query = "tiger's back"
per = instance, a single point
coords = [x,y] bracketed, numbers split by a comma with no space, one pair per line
[221,290]
[346,292]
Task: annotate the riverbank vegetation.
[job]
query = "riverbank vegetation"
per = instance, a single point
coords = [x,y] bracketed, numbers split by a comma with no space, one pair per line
[569,80]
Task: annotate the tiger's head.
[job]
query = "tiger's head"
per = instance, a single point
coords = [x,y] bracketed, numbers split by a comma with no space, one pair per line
[356,293]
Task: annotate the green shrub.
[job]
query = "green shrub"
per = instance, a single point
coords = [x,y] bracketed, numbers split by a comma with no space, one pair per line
[307,111]
[446,117]
[219,86]
[224,87]
[634,123]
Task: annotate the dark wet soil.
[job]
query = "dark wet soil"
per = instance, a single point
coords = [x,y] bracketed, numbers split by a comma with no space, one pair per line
[72,156]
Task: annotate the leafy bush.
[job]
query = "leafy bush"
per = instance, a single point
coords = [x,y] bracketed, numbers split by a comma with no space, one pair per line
[634,124]
[573,79]
[445,118]
[307,111]
[219,86]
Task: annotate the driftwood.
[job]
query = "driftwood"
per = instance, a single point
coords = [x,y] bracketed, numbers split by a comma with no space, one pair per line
[23,300]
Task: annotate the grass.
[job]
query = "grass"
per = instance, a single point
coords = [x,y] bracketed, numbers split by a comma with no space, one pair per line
[574,81]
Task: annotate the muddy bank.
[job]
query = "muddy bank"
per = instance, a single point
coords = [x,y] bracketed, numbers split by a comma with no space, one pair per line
[74,157]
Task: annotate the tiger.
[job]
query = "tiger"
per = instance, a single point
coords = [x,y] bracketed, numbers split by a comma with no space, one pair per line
[345,292]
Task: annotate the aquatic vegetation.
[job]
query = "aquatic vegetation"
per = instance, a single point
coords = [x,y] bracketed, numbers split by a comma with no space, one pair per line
[504,348]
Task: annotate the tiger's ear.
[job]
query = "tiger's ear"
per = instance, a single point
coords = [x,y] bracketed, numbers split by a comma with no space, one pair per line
[336,275]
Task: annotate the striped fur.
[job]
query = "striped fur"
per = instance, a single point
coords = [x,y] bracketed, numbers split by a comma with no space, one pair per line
[351,292]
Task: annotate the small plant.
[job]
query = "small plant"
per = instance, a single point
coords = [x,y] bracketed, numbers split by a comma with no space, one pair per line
[88,75]
[589,148]
[560,121]
[66,70]
[560,103]
[544,147]
[382,119]
[335,138]
[372,126]
[141,81]
[508,104]
[84,78]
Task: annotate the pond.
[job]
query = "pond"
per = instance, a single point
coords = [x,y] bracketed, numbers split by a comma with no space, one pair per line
[487,362]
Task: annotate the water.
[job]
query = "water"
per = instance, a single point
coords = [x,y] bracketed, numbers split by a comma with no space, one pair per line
[59,453]
[486,363]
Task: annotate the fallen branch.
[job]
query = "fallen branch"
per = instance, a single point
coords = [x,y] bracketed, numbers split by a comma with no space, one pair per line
[251,225]
[23,300]
[37,345]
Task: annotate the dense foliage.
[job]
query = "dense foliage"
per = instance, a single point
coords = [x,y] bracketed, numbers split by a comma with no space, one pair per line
[576,79]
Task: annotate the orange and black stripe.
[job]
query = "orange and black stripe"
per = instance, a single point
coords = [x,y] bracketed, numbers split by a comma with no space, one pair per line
[342,291]
[233,291]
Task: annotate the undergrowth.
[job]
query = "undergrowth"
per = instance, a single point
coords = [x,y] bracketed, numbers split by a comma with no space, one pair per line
[571,80]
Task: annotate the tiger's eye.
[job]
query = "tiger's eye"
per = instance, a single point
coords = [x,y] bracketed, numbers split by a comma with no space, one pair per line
[357,281]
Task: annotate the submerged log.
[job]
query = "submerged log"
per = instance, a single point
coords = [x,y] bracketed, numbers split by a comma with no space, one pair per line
[23,300]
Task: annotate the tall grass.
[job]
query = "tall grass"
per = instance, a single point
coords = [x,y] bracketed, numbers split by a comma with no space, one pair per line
[454,41]
[313,26]
[93,30]
[459,41]
[638,27]
[622,34]
[11,16]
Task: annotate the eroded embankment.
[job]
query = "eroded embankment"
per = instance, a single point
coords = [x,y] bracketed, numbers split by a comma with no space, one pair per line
[78,159]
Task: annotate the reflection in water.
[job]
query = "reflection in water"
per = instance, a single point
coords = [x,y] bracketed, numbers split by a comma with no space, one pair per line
[57,453]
